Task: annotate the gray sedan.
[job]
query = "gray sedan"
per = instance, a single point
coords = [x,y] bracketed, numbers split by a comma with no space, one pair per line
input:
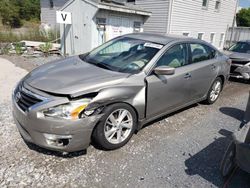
[106,95]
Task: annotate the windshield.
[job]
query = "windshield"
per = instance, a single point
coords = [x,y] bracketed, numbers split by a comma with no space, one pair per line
[125,54]
[241,47]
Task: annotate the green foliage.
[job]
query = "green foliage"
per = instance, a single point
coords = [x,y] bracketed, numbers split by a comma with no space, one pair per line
[6,50]
[29,9]
[8,37]
[45,48]
[18,48]
[243,18]
[13,12]
[9,13]
[32,34]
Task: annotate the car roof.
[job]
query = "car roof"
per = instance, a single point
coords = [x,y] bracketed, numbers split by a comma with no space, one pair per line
[246,41]
[160,39]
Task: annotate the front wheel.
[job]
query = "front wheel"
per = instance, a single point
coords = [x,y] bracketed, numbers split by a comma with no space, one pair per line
[228,162]
[214,91]
[116,127]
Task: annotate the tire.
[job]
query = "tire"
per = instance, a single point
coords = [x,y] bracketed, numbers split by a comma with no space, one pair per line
[214,92]
[228,163]
[106,133]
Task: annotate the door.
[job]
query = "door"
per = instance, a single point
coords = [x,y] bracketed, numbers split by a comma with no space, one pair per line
[126,26]
[114,27]
[118,26]
[166,92]
[203,69]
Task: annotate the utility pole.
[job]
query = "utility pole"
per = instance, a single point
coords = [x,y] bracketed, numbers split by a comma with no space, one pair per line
[64,40]
[64,18]
[233,25]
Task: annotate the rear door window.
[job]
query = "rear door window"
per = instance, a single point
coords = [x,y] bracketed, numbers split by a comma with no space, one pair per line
[200,52]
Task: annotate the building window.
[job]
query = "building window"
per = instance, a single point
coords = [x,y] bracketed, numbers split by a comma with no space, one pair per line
[217,5]
[222,38]
[51,4]
[200,36]
[101,23]
[185,34]
[212,37]
[137,27]
[204,3]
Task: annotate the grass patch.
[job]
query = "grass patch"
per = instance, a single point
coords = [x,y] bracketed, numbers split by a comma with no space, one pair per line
[9,35]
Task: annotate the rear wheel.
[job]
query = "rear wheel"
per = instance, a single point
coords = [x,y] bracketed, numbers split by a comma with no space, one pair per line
[116,127]
[214,91]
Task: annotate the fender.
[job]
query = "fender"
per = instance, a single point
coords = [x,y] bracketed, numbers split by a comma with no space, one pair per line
[132,95]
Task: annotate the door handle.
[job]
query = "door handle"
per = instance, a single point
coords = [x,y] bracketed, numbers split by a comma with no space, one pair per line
[187,76]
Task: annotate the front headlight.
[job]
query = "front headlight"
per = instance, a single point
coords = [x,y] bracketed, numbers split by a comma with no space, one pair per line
[71,110]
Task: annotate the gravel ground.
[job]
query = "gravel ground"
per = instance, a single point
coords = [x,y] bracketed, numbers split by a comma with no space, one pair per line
[29,63]
[183,149]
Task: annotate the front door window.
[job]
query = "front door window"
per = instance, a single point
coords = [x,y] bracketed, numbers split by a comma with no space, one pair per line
[175,57]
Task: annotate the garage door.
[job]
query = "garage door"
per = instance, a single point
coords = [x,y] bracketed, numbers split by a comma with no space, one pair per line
[118,26]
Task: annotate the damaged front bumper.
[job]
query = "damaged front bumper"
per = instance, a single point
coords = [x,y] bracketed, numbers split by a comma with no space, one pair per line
[240,71]
[51,133]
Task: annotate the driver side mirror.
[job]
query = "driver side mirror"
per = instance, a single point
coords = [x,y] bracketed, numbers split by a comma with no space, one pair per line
[164,70]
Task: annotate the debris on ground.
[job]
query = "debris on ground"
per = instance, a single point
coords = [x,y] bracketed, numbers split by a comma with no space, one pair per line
[30,48]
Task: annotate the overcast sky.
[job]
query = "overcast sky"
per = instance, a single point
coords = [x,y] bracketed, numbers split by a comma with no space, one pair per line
[245,3]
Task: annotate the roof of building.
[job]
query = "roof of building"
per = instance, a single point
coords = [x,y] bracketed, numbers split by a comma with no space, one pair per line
[114,5]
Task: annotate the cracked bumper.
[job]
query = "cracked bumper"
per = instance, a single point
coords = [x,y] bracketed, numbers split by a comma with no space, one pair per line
[36,130]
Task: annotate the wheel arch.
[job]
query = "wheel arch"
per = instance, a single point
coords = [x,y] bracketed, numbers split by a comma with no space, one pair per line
[113,103]
[119,102]
[222,77]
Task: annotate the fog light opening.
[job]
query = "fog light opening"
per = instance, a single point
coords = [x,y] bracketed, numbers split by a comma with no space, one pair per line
[57,141]
[64,142]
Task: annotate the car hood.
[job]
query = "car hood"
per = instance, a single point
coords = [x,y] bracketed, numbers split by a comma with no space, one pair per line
[71,76]
[236,56]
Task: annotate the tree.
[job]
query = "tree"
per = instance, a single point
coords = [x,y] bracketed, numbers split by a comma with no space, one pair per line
[243,18]
[9,13]
[29,9]
[13,12]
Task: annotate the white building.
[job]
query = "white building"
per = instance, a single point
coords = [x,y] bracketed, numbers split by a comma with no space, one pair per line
[97,21]
[204,19]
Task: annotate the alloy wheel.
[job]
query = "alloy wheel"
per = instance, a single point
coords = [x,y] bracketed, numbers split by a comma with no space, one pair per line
[216,89]
[118,126]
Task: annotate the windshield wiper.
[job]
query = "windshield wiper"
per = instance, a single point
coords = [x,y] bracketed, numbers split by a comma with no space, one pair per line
[101,65]
[105,66]
[96,64]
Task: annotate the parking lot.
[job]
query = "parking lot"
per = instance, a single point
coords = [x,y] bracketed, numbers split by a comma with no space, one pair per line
[183,149]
